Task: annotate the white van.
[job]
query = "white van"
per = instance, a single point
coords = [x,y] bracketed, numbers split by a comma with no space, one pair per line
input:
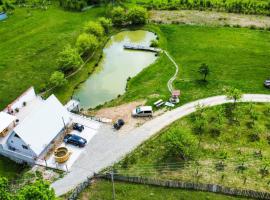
[143,111]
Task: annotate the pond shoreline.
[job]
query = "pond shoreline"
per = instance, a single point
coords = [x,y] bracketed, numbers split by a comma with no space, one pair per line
[97,64]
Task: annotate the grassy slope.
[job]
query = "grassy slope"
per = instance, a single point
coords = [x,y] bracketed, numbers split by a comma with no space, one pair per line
[9,169]
[236,57]
[153,159]
[30,44]
[103,190]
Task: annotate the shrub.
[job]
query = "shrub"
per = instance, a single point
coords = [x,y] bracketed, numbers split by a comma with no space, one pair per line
[77,5]
[137,15]
[38,190]
[119,17]
[94,28]
[57,79]
[181,143]
[106,23]
[86,43]
[154,43]
[69,59]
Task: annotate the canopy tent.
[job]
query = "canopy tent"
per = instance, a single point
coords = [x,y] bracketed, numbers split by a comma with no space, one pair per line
[5,120]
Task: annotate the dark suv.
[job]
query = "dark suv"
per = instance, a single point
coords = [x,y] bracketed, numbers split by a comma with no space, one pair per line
[75,140]
[78,127]
[118,124]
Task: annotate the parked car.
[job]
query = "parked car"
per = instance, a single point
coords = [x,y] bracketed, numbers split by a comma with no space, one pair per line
[143,111]
[78,127]
[75,140]
[267,83]
[118,124]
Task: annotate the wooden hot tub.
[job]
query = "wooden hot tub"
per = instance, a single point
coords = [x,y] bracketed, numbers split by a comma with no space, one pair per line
[61,154]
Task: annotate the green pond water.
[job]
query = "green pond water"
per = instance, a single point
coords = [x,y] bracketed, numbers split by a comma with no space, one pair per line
[110,77]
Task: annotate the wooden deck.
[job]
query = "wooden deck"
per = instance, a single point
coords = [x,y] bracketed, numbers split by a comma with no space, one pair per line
[140,47]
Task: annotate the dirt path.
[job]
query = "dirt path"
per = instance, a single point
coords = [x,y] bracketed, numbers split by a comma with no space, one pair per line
[124,112]
[170,82]
[211,18]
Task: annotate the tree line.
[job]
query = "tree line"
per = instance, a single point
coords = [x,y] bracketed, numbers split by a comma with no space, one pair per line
[232,6]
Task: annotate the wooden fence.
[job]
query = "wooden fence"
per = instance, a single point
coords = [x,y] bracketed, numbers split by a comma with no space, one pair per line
[190,186]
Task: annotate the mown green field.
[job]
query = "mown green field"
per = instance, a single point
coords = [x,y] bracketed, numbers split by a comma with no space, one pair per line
[237,57]
[30,41]
[103,190]
[234,143]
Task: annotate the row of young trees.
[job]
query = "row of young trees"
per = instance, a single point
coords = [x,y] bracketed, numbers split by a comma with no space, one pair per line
[134,16]
[235,6]
[71,58]
[38,190]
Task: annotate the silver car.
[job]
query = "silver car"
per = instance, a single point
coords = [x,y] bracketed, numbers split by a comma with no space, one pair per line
[143,111]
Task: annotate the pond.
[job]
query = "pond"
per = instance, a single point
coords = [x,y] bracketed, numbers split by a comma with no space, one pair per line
[117,64]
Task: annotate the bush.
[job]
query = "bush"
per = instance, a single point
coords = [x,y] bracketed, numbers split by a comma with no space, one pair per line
[94,28]
[4,194]
[38,190]
[154,43]
[181,143]
[69,59]
[77,5]
[119,17]
[137,15]
[106,23]
[86,43]
[57,79]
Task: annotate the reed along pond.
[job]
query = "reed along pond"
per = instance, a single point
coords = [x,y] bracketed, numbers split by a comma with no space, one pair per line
[117,64]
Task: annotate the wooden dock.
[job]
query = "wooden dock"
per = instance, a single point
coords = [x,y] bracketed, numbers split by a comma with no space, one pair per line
[141,48]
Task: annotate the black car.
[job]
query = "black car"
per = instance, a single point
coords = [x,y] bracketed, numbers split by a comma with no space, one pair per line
[117,125]
[78,127]
[75,140]
[267,83]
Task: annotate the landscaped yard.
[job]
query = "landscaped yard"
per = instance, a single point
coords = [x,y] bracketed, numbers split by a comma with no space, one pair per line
[30,41]
[237,57]
[103,190]
[220,145]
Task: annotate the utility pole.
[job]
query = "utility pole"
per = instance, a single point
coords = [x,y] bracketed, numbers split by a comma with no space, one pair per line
[113,185]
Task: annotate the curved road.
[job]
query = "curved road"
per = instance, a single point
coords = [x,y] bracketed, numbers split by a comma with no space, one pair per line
[108,147]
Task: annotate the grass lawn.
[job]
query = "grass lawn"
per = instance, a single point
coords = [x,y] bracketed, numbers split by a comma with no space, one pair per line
[237,57]
[30,41]
[9,169]
[235,145]
[103,190]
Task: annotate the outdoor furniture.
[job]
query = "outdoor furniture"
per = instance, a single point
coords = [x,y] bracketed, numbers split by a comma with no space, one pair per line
[159,103]
[169,104]
[175,96]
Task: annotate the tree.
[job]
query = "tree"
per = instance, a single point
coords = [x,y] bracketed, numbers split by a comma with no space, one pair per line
[40,190]
[233,94]
[77,5]
[58,79]
[94,28]
[119,17]
[106,23]
[204,71]
[86,43]
[69,59]
[137,15]
[181,143]
[4,194]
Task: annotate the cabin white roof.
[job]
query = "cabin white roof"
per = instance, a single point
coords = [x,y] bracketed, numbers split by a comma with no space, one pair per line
[5,120]
[43,124]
